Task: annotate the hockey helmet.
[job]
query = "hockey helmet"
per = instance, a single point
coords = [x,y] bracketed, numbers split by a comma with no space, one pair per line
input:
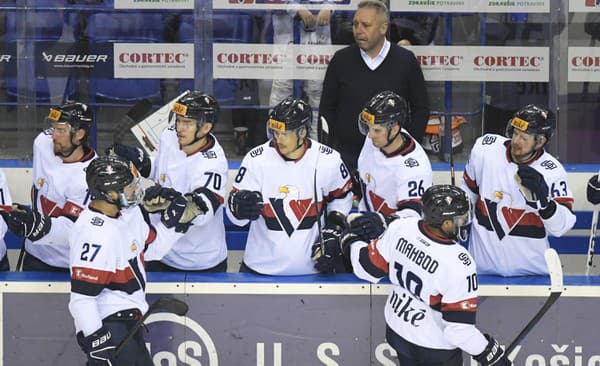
[113,174]
[386,108]
[76,114]
[291,114]
[532,120]
[446,202]
[199,106]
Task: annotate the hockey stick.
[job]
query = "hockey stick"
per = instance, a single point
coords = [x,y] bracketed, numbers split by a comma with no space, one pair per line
[325,130]
[556,288]
[133,116]
[169,304]
[592,242]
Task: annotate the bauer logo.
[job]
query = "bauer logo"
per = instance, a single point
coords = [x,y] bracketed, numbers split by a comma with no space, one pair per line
[187,341]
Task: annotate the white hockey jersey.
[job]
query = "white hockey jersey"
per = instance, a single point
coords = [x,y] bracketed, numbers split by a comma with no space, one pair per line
[107,257]
[508,237]
[433,300]
[60,191]
[280,241]
[394,183]
[5,200]
[204,245]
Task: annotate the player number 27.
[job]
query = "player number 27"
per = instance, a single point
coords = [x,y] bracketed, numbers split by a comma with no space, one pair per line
[90,249]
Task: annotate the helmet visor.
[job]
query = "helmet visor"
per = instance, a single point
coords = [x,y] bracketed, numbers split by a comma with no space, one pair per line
[275,128]
[132,193]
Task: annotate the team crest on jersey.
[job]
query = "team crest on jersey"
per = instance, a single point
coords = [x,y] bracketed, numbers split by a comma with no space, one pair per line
[288,212]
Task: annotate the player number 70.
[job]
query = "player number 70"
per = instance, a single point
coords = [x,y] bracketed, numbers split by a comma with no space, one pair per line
[87,248]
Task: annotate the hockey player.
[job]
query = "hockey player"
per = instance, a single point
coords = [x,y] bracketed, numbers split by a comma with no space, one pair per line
[190,160]
[521,195]
[394,169]
[61,154]
[108,245]
[5,204]
[434,277]
[279,187]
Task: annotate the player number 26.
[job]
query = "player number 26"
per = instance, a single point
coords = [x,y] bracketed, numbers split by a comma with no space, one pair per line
[89,251]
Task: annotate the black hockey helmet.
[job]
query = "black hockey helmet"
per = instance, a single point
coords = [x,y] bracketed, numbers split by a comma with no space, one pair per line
[446,202]
[386,108]
[532,120]
[291,114]
[76,114]
[199,106]
[111,173]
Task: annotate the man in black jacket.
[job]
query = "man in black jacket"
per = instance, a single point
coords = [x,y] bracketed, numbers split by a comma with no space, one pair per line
[358,72]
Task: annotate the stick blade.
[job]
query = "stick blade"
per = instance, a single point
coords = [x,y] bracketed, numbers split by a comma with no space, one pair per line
[555,269]
[171,305]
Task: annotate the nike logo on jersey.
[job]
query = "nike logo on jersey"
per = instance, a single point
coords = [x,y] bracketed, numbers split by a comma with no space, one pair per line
[403,307]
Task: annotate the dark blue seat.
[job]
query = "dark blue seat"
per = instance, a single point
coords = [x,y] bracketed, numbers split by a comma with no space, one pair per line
[125,28]
[227,28]
[36,30]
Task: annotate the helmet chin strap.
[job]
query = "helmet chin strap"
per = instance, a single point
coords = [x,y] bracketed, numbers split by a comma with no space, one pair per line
[74,147]
[196,138]
[391,140]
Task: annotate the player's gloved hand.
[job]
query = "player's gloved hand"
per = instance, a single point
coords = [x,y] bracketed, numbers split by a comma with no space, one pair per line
[178,215]
[493,354]
[23,221]
[199,196]
[593,190]
[134,154]
[328,262]
[99,347]
[158,198]
[533,187]
[246,205]
[366,225]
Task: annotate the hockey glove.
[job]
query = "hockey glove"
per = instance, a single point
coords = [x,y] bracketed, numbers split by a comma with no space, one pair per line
[199,196]
[23,221]
[98,347]
[245,205]
[158,198]
[331,261]
[593,190]
[533,187]
[179,214]
[367,225]
[137,156]
[493,354]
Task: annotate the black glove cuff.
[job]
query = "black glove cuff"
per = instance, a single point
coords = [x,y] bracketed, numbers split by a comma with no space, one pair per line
[548,211]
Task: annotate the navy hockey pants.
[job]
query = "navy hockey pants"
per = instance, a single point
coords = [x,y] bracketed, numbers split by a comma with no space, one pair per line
[410,354]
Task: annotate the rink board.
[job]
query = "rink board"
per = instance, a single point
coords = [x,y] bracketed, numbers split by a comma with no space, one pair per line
[242,319]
